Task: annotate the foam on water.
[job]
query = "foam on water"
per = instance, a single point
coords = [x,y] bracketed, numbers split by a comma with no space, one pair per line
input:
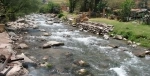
[58,38]
[120,71]
[73,48]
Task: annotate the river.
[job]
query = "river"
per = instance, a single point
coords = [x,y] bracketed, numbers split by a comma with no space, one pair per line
[103,59]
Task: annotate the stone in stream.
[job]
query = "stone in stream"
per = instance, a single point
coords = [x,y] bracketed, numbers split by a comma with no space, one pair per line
[113,46]
[83,72]
[81,63]
[52,43]
[106,37]
[118,37]
[129,42]
[23,46]
[45,58]
[35,26]
[147,52]
[139,54]
[46,34]
[49,22]
[42,30]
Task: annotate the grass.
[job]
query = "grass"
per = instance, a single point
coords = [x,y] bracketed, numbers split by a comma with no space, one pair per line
[130,30]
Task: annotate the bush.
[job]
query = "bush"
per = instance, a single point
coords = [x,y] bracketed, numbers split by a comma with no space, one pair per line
[60,15]
[50,8]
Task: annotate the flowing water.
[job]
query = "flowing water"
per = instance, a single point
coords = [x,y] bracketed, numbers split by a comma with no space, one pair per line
[103,59]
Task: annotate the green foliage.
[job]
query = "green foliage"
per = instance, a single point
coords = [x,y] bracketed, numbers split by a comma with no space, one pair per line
[126,9]
[51,7]
[14,8]
[49,65]
[60,15]
[101,5]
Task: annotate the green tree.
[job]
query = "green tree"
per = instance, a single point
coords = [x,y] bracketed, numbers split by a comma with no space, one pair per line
[126,10]
[13,8]
[101,5]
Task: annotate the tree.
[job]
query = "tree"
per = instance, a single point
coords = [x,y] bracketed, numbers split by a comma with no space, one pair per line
[13,8]
[72,5]
[126,10]
[101,5]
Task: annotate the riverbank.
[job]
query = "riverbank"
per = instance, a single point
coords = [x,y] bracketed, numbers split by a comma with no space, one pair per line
[130,30]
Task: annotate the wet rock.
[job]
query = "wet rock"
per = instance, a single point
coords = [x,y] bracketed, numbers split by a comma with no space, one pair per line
[45,58]
[129,42]
[82,72]
[113,46]
[35,26]
[118,37]
[49,22]
[81,63]
[44,64]
[106,37]
[12,34]
[147,52]
[68,54]
[46,34]
[52,43]
[23,46]
[139,54]
[29,64]
[42,30]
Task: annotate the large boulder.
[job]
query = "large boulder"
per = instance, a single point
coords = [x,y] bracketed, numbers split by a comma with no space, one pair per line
[52,43]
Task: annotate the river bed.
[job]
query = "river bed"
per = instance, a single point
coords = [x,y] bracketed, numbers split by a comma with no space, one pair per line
[103,59]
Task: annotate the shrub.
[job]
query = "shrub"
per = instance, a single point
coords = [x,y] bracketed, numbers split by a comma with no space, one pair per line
[60,15]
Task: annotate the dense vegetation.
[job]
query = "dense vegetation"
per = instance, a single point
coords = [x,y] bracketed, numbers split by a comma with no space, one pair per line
[10,9]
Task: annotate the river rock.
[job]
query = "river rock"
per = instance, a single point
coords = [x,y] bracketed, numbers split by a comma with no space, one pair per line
[139,54]
[118,37]
[45,58]
[129,42]
[44,64]
[113,46]
[42,30]
[147,52]
[35,26]
[81,63]
[46,34]
[49,22]
[106,37]
[82,72]
[23,46]
[68,54]
[52,43]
